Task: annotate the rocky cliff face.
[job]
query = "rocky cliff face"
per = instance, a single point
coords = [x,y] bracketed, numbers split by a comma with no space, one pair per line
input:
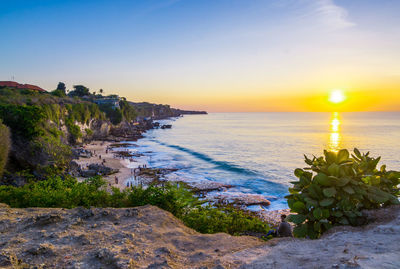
[37,155]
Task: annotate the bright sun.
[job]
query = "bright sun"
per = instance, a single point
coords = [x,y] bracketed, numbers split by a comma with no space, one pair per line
[337,96]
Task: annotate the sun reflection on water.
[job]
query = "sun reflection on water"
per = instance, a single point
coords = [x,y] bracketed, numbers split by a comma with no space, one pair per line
[334,139]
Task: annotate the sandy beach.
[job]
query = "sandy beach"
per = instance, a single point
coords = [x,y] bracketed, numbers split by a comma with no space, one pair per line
[100,153]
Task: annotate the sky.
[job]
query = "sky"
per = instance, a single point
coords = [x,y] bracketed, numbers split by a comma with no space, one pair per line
[214,55]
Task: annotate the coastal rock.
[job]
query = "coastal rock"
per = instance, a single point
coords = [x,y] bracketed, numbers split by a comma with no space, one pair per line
[81,153]
[74,169]
[208,186]
[166,126]
[241,199]
[273,216]
[95,169]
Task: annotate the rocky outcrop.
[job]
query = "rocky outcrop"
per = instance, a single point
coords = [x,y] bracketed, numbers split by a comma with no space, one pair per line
[148,237]
[239,199]
[142,237]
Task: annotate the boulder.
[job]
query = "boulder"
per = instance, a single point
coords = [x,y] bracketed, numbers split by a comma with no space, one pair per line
[95,169]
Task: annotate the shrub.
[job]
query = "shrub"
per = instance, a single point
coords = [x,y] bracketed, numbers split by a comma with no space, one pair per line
[88,131]
[73,129]
[114,114]
[23,120]
[340,187]
[69,193]
[207,219]
[128,111]
[59,93]
[5,144]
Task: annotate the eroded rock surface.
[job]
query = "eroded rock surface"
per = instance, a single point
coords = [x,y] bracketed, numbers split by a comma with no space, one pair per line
[142,237]
[148,237]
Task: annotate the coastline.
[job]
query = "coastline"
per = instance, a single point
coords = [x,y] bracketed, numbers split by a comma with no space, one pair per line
[103,153]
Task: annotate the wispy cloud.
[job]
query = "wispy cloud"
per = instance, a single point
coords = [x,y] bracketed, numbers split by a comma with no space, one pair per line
[324,12]
[332,15]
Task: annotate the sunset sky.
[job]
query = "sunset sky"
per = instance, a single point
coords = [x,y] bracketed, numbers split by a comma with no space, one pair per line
[214,55]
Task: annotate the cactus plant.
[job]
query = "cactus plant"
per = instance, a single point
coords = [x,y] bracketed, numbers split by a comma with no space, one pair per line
[335,188]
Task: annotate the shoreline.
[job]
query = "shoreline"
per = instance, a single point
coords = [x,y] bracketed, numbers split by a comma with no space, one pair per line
[124,165]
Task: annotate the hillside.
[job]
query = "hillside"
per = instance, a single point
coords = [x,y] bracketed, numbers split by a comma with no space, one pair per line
[44,126]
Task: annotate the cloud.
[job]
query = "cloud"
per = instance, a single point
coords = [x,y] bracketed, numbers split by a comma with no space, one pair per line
[332,15]
[323,12]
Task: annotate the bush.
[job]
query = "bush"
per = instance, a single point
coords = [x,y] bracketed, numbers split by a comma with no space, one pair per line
[223,220]
[59,93]
[340,187]
[5,144]
[69,193]
[23,120]
[114,114]
[128,111]
[73,129]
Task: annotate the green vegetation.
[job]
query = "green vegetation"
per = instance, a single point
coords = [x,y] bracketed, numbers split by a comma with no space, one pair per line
[25,121]
[226,219]
[340,187]
[128,111]
[68,193]
[5,143]
[79,90]
[114,114]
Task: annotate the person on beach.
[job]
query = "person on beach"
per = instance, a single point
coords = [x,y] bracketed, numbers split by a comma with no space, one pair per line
[284,229]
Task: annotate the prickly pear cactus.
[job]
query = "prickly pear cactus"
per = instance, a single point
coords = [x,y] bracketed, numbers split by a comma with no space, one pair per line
[334,188]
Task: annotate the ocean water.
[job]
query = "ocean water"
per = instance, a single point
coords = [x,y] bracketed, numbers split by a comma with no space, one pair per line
[258,152]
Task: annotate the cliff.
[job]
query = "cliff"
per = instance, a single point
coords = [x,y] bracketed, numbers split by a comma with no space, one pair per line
[44,126]
[158,111]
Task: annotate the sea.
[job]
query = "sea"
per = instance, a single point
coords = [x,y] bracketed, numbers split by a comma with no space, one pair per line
[257,153]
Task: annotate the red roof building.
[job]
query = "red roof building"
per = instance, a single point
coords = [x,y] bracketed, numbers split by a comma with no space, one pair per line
[16,85]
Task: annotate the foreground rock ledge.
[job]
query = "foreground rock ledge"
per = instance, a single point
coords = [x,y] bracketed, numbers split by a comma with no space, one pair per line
[141,237]
[148,237]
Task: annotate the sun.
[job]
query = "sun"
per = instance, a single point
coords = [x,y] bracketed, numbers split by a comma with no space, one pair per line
[337,96]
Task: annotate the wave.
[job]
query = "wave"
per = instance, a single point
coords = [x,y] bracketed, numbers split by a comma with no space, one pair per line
[219,164]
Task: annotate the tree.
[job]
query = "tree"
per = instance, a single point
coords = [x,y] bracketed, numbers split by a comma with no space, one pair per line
[5,143]
[101,91]
[79,90]
[61,86]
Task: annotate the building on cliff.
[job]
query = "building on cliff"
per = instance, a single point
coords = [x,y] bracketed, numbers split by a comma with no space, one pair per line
[16,85]
[114,102]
